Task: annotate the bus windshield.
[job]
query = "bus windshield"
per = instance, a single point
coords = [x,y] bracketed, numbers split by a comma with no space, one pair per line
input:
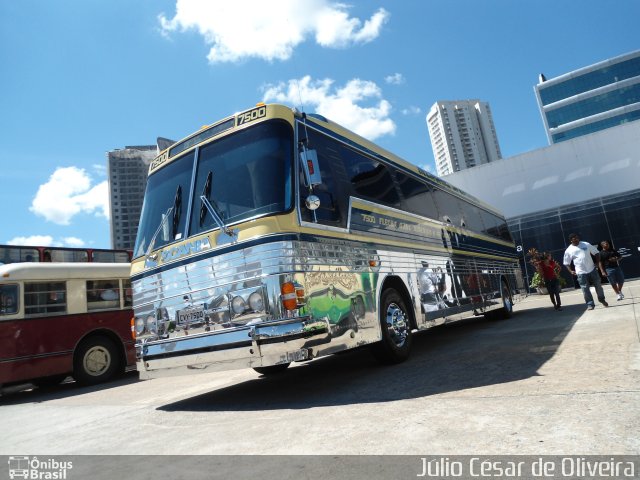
[243,175]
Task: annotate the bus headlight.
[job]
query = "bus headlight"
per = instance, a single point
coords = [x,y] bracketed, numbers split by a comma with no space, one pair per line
[139,325]
[238,305]
[256,302]
[151,324]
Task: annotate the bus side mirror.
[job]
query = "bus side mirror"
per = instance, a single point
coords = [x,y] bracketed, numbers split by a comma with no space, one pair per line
[311,167]
[312,202]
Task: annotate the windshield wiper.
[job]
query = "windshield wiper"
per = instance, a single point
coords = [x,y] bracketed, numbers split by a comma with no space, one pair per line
[226,234]
[206,192]
[155,235]
[175,208]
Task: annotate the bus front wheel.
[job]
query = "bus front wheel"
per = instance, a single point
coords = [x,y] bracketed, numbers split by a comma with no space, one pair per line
[395,326]
[96,361]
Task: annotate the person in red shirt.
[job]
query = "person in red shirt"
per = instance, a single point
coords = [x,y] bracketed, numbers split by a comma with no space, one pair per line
[548,269]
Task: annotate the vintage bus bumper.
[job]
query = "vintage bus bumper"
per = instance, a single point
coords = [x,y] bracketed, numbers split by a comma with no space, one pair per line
[259,345]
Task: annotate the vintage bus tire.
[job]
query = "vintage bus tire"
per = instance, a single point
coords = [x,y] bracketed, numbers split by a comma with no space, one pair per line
[96,360]
[272,369]
[395,324]
[506,311]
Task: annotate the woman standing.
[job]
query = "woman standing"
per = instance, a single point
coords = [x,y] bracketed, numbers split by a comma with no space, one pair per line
[548,269]
[611,262]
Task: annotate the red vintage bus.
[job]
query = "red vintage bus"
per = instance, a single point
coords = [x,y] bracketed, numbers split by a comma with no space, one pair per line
[61,319]
[19,253]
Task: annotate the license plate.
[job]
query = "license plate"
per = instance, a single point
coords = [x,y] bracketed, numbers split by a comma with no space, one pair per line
[191,315]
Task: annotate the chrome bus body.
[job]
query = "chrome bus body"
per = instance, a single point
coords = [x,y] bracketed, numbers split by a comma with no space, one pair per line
[215,301]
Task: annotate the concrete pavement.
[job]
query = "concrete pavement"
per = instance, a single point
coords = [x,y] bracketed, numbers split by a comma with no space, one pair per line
[543,382]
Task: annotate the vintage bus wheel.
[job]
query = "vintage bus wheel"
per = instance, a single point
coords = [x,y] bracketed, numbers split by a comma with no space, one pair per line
[272,369]
[96,360]
[506,311]
[395,323]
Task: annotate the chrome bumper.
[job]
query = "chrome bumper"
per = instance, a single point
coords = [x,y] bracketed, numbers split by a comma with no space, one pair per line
[259,345]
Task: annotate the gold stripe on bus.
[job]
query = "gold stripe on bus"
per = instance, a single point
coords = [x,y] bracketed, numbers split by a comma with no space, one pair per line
[381,210]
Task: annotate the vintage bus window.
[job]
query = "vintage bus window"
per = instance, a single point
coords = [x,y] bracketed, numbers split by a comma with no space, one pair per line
[449,207]
[103,294]
[496,227]
[335,188]
[10,254]
[244,175]
[472,217]
[8,299]
[370,180]
[45,298]
[128,294]
[167,191]
[110,257]
[62,255]
[417,197]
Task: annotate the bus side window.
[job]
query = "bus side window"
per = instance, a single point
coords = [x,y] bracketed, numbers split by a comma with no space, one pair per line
[334,201]
[128,295]
[8,299]
[370,179]
[45,298]
[449,207]
[417,196]
[103,294]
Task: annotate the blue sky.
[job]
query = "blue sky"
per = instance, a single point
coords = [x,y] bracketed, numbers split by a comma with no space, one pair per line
[82,77]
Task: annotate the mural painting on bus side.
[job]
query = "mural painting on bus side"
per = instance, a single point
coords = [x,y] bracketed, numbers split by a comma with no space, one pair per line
[344,298]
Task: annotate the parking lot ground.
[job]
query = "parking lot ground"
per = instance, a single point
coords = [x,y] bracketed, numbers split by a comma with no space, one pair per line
[543,382]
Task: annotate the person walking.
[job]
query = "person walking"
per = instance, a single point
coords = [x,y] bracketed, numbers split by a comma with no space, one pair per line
[611,262]
[580,253]
[548,269]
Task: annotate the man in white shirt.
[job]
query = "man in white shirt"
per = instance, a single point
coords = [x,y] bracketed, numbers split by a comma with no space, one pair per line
[580,254]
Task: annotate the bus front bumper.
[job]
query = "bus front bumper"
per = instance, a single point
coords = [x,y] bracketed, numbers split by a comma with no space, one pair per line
[258,345]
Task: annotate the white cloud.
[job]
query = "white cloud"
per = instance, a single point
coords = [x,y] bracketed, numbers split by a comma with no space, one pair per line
[73,242]
[395,79]
[342,105]
[270,29]
[68,193]
[46,241]
[412,110]
[33,240]
[100,170]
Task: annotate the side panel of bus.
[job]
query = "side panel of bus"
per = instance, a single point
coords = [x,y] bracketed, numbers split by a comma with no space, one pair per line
[42,347]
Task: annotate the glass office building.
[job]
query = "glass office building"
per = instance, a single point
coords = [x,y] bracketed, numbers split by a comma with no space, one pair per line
[614,217]
[590,99]
[586,185]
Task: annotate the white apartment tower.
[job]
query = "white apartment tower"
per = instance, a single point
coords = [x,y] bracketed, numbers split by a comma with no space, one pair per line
[462,135]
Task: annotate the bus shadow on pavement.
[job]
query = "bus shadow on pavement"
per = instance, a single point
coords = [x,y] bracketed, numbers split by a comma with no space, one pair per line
[451,358]
[29,393]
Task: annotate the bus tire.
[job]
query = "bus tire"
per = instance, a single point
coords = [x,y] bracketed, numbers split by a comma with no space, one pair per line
[395,326]
[506,311]
[272,369]
[97,360]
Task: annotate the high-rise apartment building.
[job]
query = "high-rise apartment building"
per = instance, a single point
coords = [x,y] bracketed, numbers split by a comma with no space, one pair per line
[462,135]
[590,99]
[127,171]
